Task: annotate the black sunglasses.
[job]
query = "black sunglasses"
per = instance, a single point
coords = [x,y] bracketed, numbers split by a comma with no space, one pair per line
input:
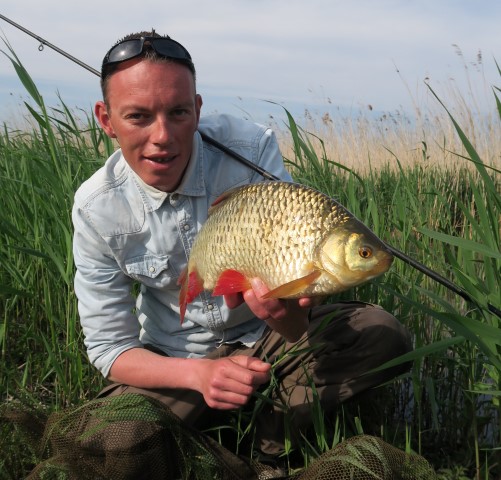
[128,49]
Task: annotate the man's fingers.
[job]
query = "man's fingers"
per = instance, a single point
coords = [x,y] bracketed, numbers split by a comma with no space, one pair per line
[263,308]
[237,379]
[251,363]
[309,302]
[233,300]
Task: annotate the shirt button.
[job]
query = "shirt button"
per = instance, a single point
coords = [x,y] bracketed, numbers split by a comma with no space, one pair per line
[186,227]
[152,269]
[210,306]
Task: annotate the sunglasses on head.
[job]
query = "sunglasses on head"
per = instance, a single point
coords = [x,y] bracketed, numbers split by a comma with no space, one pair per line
[128,49]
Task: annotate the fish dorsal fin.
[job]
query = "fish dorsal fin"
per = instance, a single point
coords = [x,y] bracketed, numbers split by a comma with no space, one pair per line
[222,199]
[293,288]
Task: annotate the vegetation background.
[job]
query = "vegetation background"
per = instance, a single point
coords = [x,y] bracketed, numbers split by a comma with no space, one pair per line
[428,185]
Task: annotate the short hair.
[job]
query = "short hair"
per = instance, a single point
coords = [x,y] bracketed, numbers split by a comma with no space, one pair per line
[148,53]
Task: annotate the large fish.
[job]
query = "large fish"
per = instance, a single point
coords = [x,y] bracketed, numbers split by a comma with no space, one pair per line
[299,241]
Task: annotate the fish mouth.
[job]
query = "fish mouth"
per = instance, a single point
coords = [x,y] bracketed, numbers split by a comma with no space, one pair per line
[387,261]
[388,258]
[384,262]
[384,266]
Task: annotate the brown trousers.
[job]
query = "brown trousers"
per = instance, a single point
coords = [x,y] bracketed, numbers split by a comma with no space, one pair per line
[344,341]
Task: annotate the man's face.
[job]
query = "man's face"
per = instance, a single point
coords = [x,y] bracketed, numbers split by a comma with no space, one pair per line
[153,111]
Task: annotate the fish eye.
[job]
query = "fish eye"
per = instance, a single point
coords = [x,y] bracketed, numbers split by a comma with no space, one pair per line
[365,252]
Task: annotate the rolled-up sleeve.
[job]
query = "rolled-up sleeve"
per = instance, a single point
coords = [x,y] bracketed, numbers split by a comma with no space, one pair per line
[105,301]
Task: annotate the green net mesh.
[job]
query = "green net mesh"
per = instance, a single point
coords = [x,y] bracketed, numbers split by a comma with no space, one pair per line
[135,437]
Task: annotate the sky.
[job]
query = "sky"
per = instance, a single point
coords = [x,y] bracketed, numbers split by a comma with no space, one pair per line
[315,55]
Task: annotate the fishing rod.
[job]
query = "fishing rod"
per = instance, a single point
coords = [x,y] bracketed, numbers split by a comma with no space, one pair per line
[269,176]
[45,42]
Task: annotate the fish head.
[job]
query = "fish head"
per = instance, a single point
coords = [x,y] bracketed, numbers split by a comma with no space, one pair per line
[353,254]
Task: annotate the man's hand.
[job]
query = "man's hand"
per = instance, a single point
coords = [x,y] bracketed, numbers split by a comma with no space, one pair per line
[228,383]
[287,317]
[225,383]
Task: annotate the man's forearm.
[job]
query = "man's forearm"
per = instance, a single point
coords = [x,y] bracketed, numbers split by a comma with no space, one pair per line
[225,383]
[142,368]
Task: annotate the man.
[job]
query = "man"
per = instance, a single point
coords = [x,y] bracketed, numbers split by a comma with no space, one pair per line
[135,220]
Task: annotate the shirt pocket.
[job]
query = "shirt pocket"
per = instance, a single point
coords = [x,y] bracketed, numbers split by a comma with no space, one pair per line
[153,271]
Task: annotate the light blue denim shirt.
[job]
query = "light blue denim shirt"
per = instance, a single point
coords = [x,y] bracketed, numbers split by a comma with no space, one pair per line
[127,232]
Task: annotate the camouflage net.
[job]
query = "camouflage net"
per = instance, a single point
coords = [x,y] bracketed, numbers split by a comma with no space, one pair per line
[135,437]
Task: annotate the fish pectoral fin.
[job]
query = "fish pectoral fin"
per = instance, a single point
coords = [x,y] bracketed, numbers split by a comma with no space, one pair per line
[231,281]
[293,288]
[191,286]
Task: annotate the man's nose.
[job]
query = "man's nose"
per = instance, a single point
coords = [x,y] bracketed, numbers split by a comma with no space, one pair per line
[161,131]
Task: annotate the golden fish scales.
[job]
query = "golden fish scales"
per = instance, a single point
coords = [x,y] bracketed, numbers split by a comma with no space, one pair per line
[299,241]
[283,218]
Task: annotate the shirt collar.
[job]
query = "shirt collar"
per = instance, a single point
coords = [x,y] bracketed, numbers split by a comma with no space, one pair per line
[192,183]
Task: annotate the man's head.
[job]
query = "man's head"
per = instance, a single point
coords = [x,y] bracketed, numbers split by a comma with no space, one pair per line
[148,45]
[151,107]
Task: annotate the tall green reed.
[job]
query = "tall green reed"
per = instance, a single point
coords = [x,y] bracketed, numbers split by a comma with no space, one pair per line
[39,172]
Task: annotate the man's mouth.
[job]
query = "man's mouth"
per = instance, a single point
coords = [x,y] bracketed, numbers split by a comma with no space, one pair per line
[166,159]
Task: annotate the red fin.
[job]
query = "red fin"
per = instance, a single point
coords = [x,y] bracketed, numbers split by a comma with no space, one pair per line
[231,281]
[191,286]
[221,200]
[294,287]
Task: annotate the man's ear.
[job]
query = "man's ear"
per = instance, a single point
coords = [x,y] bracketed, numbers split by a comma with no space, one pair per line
[103,117]
[198,106]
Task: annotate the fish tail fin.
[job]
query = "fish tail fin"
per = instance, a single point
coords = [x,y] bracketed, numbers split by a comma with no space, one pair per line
[191,287]
[231,281]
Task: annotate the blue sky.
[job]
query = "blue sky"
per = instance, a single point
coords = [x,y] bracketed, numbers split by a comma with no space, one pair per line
[317,55]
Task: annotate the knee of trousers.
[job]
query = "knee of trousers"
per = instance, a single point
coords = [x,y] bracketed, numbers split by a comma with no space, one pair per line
[382,327]
[357,322]
[361,337]
[383,338]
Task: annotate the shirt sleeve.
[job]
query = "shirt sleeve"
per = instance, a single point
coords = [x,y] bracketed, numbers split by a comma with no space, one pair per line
[105,300]
[270,158]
